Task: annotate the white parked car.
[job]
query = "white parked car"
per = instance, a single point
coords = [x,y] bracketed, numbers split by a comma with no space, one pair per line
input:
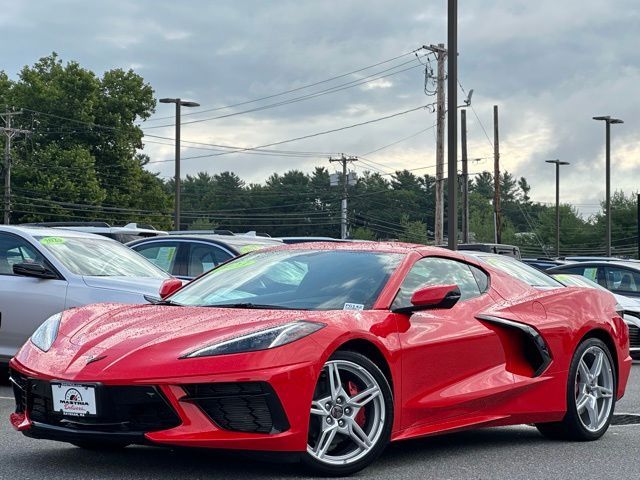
[631,307]
[44,271]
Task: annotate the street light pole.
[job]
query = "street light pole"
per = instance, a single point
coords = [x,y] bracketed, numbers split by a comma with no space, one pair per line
[608,121]
[179,103]
[557,163]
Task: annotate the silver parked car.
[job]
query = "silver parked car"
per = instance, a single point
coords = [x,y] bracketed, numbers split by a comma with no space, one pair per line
[44,271]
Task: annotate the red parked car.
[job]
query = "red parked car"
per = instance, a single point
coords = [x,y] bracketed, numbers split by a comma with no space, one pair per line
[328,352]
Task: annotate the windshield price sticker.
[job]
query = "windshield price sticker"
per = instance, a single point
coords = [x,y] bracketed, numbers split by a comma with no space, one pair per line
[73,399]
[353,306]
[52,240]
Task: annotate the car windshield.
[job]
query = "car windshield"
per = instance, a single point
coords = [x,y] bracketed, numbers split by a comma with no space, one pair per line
[99,257]
[294,279]
[521,271]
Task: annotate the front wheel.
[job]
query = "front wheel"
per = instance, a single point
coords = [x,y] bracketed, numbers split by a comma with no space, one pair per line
[351,416]
[591,397]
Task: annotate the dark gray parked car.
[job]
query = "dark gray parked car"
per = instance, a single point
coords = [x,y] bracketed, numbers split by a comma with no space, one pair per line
[187,256]
[621,277]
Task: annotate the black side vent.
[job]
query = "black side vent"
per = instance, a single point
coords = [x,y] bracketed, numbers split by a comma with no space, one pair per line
[20,386]
[251,407]
[532,346]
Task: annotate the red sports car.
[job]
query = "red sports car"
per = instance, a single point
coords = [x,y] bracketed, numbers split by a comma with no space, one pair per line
[328,352]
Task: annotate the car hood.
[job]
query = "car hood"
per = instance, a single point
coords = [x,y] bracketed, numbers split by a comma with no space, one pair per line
[628,303]
[144,286]
[130,340]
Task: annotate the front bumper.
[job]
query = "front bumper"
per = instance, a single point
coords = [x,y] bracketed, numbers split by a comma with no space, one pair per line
[263,410]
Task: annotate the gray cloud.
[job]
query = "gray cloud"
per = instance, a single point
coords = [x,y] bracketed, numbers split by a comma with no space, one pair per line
[550,66]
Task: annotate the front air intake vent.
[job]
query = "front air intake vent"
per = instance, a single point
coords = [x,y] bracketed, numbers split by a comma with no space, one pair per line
[251,407]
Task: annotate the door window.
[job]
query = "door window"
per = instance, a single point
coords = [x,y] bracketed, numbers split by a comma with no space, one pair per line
[438,271]
[16,250]
[623,281]
[161,254]
[203,258]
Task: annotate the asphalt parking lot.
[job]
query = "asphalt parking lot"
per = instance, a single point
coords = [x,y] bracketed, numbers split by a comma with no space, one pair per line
[500,453]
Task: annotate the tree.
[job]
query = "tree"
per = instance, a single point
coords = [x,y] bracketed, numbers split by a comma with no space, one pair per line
[414,232]
[483,185]
[53,193]
[69,108]
[525,188]
[363,233]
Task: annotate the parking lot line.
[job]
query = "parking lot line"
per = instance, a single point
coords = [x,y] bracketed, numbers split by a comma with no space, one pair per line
[7,398]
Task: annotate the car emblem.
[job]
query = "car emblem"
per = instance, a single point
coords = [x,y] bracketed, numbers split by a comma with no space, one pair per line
[92,359]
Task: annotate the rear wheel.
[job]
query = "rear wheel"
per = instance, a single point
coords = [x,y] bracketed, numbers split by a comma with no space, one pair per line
[590,395]
[351,416]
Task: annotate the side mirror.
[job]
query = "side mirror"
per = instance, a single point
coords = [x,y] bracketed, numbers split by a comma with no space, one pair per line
[433,296]
[36,270]
[169,286]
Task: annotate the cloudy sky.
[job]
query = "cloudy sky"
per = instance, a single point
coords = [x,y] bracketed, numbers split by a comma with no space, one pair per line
[549,65]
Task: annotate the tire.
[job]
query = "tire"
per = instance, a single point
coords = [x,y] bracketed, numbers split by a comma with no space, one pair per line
[590,403]
[361,422]
[98,446]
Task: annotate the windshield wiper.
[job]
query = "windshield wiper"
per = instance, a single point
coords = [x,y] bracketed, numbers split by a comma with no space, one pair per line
[158,301]
[254,306]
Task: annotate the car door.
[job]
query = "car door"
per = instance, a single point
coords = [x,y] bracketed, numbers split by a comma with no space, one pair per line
[451,362]
[166,254]
[25,302]
[623,281]
[203,257]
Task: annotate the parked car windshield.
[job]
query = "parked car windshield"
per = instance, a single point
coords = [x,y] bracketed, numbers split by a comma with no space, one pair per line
[99,257]
[294,279]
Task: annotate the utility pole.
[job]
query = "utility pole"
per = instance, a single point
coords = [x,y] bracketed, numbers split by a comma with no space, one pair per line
[9,133]
[179,103]
[343,216]
[465,176]
[496,178]
[441,55]
[452,124]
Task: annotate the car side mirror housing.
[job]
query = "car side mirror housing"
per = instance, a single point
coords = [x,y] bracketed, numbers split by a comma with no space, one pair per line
[432,297]
[169,286]
[35,270]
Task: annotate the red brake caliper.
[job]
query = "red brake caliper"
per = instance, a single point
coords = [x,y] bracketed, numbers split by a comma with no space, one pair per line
[353,390]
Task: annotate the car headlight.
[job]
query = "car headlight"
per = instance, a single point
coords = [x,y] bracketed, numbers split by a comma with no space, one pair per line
[260,340]
[46,333]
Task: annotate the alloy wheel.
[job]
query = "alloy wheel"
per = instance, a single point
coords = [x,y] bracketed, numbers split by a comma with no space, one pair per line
[594,384]
[347,414]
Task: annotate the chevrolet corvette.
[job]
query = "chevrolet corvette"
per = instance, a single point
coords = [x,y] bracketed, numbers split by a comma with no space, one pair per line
[326,353]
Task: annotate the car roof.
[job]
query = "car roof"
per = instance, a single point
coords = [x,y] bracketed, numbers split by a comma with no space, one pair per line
[47,232]
[598,263]
[382,247]
[231,240]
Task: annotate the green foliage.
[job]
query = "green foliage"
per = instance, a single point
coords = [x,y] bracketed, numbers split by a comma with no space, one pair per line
[91,122]
[363,233]
[414,232]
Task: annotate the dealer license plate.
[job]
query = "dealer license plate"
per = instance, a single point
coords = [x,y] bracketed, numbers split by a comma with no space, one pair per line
[74,399]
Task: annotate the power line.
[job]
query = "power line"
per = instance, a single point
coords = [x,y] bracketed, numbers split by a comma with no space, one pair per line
[303,87]
[325,132]
[346,86]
